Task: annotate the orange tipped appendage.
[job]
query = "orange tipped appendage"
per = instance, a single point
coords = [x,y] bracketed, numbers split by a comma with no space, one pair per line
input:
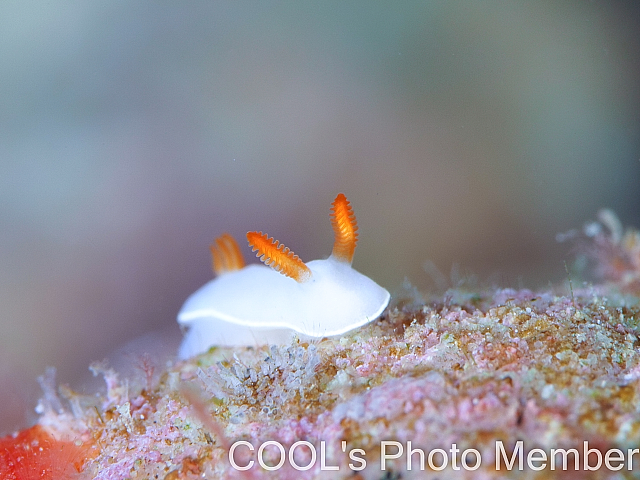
[345,229]
[275,255]
[225,254]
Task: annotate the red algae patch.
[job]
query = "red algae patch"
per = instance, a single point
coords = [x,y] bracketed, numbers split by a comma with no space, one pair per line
[34,454]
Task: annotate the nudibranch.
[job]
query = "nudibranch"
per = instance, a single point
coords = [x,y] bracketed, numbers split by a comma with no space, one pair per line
[268,304]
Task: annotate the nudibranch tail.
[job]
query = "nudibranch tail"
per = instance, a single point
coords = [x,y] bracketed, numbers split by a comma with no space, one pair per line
[345,228]
[225,254]
[275,255]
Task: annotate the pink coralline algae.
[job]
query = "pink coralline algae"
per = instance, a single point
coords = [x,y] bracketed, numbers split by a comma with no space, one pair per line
[497,384]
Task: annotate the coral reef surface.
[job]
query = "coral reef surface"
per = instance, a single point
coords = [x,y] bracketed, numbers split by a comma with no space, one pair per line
[493,383]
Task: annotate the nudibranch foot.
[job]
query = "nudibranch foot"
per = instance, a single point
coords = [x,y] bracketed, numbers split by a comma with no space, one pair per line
[205,333]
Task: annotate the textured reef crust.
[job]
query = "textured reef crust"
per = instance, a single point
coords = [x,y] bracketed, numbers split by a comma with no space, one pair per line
[476,384]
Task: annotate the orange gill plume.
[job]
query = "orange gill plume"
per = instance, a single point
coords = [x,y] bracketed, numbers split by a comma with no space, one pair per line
[275,255]
[225,254]
[345,228]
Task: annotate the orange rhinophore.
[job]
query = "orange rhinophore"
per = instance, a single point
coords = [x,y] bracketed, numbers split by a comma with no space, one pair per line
[345,228]
[275,255]
[225,254]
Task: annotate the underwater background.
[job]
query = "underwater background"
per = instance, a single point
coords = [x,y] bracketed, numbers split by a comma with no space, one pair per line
[132,134]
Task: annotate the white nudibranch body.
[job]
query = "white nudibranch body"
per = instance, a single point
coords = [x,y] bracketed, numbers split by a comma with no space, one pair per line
[257,304]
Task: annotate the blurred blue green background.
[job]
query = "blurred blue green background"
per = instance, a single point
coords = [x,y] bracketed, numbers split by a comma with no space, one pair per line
[132,133]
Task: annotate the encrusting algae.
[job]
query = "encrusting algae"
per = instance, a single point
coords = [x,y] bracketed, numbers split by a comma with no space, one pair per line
[503,385]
